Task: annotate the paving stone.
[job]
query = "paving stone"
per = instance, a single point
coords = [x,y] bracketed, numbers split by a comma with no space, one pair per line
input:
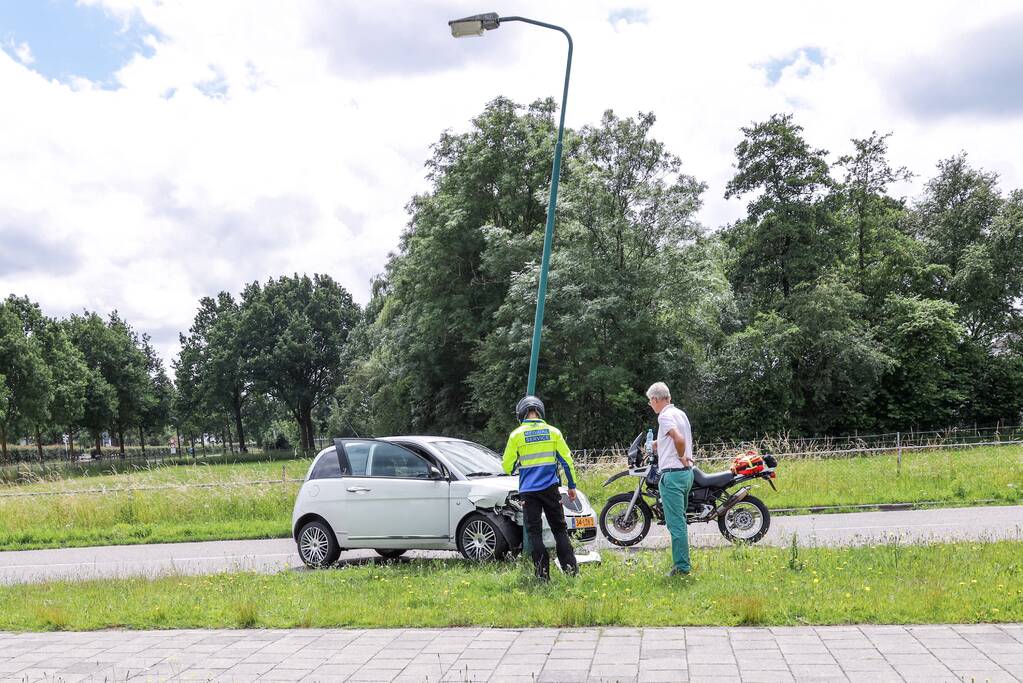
[817,672]
[567,665]
[664,676]
[285,674]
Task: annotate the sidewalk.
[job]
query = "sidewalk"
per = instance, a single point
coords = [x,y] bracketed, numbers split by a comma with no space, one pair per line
[872,654]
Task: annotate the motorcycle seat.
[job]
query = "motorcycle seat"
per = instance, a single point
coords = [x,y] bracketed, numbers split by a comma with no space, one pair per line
[717,480]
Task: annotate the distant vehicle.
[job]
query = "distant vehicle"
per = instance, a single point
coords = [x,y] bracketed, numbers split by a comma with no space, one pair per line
[400,493]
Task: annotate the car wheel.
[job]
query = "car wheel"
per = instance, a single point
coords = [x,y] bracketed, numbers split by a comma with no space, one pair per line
[480,539]
[317,545]
[390,553]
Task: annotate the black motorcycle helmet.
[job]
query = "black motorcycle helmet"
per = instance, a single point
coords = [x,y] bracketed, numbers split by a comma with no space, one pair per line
[528,403]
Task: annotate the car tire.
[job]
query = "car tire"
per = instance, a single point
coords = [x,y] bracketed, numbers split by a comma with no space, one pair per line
[480,539]
[390,553]
[317,545]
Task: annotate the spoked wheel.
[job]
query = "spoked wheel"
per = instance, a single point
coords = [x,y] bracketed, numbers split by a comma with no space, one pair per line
[317,546]
[747,522]
[480,540]
[621,530]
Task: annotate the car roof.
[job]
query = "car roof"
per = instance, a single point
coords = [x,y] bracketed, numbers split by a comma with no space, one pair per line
[422,438]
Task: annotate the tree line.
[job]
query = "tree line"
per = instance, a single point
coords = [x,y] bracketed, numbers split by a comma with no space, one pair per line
[832,306]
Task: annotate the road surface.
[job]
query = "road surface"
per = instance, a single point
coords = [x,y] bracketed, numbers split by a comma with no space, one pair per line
[860,528]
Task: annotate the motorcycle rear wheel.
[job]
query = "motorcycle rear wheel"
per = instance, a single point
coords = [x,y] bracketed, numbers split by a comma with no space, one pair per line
[747,522]
[616,528]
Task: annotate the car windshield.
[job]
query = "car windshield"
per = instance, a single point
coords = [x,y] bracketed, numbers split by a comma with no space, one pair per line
[471,459]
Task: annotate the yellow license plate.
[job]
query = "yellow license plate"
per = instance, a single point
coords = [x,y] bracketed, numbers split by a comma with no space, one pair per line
[584,523]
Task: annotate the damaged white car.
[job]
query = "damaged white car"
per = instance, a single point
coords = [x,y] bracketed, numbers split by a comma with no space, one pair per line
[416,492]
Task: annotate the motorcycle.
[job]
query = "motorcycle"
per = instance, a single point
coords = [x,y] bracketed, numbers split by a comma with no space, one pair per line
[741,518]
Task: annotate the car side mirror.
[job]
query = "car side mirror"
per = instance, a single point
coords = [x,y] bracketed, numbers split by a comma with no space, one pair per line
[435,473]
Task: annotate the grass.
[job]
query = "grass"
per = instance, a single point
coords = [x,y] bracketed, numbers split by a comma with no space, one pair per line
[232,511]
[949,477]
[80,516]
[730,586]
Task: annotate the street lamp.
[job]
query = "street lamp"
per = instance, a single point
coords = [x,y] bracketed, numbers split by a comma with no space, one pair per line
[475,26]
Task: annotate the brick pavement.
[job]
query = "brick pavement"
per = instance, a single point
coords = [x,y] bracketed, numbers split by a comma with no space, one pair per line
[873,654]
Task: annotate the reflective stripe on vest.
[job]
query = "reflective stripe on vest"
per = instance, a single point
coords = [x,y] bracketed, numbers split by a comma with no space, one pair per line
[534,459]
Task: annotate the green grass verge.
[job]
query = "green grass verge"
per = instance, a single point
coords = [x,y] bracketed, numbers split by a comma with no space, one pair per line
[949,477]
[262,511]
[945,583]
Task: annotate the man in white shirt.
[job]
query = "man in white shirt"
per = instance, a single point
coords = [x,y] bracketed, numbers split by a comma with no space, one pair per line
[674,448]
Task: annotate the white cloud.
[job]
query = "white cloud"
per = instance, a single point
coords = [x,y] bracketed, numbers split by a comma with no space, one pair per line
[22,51]
[267,138]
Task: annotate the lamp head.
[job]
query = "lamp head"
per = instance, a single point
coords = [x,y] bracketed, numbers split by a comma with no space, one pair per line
[474,26]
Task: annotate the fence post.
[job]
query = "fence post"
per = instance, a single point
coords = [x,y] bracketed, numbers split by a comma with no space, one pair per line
[284,474]
[898,445]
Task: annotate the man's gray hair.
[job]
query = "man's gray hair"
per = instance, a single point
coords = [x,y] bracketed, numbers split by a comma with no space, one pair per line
[658,390]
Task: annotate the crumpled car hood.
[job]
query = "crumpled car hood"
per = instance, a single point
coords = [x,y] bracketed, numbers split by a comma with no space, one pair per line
[491,491]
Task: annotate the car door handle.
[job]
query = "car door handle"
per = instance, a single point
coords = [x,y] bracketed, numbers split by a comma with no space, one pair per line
[358,489]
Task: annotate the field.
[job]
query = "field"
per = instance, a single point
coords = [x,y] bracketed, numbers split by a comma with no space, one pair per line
[203,502]
[730,586]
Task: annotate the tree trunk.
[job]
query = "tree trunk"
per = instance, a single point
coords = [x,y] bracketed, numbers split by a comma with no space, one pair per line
[236,400]
[3,441]
[70,444]
[39,444]
[142,440]
[120,441]
[305,421]
[99,445]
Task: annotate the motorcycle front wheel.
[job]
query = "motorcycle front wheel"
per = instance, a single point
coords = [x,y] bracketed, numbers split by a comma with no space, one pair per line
[619,530]
[747,522]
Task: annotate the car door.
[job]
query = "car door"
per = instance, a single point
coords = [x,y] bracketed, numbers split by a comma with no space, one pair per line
[393,497]
[324,492]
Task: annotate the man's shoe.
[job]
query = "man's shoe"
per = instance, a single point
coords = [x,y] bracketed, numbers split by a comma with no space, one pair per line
[675,571]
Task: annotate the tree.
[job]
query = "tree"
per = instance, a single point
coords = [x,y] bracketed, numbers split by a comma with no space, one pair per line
[294,331]
[789,235]
[627,206]
[954,220]
[868,175]
[27,387]
[920,389]
[157,407]
[440,295]
[212,349]
[119,369]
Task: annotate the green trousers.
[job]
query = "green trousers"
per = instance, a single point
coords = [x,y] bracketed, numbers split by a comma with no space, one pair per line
[675,487]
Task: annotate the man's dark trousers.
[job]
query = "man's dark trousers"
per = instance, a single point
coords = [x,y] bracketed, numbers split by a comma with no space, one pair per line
[548,501]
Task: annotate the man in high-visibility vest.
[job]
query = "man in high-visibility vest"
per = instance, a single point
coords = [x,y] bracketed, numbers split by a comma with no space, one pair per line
[538,448]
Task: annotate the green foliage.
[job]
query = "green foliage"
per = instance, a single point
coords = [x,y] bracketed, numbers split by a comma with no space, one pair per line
[291,334]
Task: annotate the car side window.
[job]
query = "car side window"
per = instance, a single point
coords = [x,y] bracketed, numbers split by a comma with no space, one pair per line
[327,467]
[390,460]
[358,457]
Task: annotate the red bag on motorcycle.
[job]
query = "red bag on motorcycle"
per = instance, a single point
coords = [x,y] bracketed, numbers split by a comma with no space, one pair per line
[748,464]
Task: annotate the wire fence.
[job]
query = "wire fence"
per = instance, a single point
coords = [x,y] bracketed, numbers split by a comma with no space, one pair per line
[828,447]
[709,455]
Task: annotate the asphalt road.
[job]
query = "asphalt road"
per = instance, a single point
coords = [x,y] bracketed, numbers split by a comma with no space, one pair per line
[860,528]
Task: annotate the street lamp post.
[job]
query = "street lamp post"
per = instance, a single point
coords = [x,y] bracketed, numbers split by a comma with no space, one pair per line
[475,26]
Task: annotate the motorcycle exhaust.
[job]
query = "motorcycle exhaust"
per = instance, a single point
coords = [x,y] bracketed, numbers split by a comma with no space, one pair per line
[734,500]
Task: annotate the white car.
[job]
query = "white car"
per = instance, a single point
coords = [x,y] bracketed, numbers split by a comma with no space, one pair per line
[415,492]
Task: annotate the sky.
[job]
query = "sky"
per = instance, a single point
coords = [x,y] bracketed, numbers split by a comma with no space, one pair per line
[156,151]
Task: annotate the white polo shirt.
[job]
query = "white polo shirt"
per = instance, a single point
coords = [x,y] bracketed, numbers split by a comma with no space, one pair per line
[670,418]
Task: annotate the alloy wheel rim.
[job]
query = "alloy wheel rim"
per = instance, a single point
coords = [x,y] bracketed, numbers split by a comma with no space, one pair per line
[314,545]
[744,520]
[479,540]
[620,527]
